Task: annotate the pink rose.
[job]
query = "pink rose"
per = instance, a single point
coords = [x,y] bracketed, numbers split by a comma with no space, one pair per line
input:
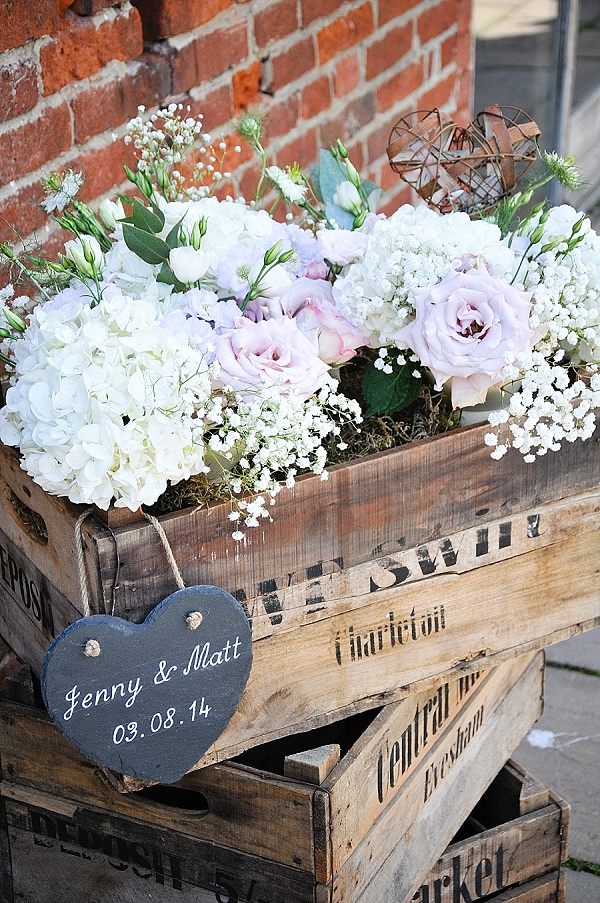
[270,353]
[340,246]
[310,302]
[463,328]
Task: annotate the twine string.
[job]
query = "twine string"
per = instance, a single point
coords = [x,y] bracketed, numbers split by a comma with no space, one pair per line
[83,581]
[166,546]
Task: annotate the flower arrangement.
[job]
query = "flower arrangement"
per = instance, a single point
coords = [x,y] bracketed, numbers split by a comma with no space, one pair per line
[183,335]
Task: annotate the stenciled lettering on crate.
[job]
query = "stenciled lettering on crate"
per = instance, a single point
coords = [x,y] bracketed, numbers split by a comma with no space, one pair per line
[112,839]
[290,600]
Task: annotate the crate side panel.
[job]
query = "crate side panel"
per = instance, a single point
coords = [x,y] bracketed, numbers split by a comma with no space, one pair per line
[408,838]
[452,623]
[246,808]
[117,851]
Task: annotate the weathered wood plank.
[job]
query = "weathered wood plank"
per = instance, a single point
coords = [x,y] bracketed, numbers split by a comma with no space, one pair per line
[457,626]
[312,765]
[435,801]
[499,858]
[397,499]
[547,889]
[176,859]
[246,807]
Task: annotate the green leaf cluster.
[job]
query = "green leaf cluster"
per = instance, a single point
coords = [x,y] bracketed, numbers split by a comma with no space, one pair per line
[385,393]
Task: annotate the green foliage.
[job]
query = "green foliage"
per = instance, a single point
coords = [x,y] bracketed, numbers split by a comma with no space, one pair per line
[388,392]
[150,248]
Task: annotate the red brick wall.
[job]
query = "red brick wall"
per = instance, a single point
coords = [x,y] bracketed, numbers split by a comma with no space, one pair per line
[72,72]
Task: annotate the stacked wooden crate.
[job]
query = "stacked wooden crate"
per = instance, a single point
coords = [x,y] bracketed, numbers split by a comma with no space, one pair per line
[358,811]
[397,614]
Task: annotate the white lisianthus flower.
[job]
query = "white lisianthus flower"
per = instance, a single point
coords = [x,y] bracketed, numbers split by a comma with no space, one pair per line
[272,283]
[346,196]
[189,265]
[111,212]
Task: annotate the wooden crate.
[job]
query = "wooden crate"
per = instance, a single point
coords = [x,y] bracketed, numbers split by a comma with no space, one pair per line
[247,830]
[426,560]
[517,832]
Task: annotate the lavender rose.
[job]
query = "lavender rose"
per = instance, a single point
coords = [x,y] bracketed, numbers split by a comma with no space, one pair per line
[269,353]
[464,327]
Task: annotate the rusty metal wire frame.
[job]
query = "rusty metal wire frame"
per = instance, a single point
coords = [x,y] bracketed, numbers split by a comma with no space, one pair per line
[468,169]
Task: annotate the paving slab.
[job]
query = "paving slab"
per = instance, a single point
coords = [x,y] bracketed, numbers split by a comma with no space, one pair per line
[582,887]
[563,751]
[581,651]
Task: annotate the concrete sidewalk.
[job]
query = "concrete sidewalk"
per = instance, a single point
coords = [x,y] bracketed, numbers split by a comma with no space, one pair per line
[563,751]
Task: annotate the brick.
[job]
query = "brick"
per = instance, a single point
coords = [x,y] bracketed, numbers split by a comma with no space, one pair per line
[245,86]
[216,106]
[388,51]
[313,9]
[166,18]
[302,150]
[20,213]
[80,49]
[248,181]
[102,167]
[346,75]
[98,108]
[275,22]
[220,49]
[281,116]
[315,97]
[44,137]
[435,20]
[183,63]
[354,117]
[396,194]
[18,88]
[378,141]
[448,51]
[120,38]
[22,22]
[400,86]
[91,7]
[292,64]
[345,32]
[438,95]
[393,9]
[151,78]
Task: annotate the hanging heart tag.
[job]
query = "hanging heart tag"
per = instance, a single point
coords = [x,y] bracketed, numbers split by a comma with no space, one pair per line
[148,700]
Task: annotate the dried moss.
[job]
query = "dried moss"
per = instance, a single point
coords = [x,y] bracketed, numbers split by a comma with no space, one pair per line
[428,416]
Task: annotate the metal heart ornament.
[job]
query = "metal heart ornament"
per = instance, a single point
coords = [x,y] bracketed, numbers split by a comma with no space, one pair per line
[466,169]
[148,700]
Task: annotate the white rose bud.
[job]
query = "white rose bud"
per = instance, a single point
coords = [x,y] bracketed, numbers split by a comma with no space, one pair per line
[272,283]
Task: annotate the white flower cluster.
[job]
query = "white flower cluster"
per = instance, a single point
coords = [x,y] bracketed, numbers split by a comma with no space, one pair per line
[273,436]
[559,383]
[106,403]
[413,248]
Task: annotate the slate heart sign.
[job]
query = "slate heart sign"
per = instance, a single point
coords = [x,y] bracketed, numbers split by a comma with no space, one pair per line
[148,700]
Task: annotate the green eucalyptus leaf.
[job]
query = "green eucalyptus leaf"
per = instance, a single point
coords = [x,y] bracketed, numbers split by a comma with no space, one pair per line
[343,218]
[315,178]
[168,277]
[389,392]
[148,247]
[330,175]
[145,219]
[172,238]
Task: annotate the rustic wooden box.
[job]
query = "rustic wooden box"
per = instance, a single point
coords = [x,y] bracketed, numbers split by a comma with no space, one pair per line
[426,560]
[246,831]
